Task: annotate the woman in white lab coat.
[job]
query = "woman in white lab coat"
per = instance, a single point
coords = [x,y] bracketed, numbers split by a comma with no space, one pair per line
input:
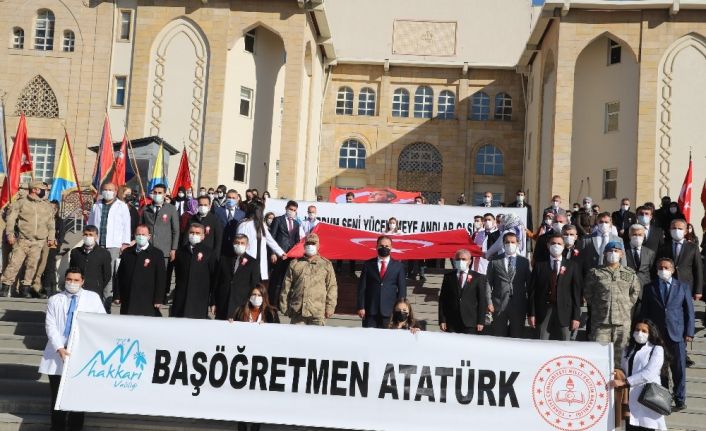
[253,226]
[642,362]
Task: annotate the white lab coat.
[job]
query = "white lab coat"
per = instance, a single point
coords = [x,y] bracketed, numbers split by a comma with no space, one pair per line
[55,322]
[645,369]
[119,223]
[247,228]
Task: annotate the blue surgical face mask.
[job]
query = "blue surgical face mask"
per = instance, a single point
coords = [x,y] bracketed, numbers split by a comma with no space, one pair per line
[231,203]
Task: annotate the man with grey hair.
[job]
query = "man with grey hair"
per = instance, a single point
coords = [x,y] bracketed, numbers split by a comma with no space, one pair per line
[640,259]
[585,218]
[462,298]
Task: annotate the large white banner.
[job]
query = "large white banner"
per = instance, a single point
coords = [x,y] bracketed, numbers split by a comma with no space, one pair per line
[412,218]
[351,378]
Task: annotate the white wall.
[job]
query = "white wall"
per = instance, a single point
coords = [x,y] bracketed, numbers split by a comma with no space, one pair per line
[593,150]
[120,65]
[546,140]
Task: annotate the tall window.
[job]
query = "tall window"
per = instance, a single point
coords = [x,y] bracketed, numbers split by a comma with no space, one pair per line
[420,169]
[250,41]
[44,30]
[344,101]
[423,102]
[503,107]
[352,155]
[614,52]
[246,97]
[480,106]
[241,167]
[69,41]
[366,102]
[120,90]
[447,105]
[612,116]
[400,103]
[42,151]
[125,25]
[489,161]
[610,183]
[38,100]
[18,38]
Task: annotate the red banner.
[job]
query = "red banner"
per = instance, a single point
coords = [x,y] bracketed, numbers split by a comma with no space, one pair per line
[373,195]
[338,242]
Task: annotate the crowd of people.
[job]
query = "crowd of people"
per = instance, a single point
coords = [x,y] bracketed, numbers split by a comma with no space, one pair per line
[637,273]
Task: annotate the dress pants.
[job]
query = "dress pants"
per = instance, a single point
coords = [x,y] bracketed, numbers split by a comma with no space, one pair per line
[678,368]
[549,327]
[375,321]
[61,420]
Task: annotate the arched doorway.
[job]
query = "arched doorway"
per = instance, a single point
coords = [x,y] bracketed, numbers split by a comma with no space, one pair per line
[419,169]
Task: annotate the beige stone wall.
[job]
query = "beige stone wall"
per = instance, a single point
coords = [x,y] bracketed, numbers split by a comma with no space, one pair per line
[385,136]
[79,79]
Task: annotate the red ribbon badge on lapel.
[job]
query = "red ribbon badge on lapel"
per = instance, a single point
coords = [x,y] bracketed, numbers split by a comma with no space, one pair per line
[147,263]
[199,257]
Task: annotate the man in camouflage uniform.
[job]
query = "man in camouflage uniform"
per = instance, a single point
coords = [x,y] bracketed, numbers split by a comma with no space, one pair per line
[611,291]
[30,226]
[309,292]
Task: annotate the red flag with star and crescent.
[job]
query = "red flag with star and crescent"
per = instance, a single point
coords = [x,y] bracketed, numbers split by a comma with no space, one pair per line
[338,242]
[19,163]
[120,163]
[685,194]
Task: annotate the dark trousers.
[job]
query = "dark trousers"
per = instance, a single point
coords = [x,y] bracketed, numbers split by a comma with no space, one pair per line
[170,272]
[678,368]
[629,427]
[60,420]
[277,280]
[550,328]
[375,321]
[508,323]
[456,326]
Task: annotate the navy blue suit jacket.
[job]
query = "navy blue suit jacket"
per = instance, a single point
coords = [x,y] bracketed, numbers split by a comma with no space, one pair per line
[378,296]
[222,215]
[676,317]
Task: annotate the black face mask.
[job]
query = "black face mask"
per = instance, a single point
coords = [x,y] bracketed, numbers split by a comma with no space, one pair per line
[383,251]
[41,193]
[400,316]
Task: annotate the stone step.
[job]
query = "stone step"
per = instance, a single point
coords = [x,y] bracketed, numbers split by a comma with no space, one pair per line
[25,387]
[22,328]
[35,316]
[32,342]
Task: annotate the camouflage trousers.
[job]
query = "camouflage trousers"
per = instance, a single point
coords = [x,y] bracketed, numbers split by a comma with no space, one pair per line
[619,335]
[25,252]
[300,320]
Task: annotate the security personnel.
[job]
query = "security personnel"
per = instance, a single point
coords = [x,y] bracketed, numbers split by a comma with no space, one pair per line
[30,226]
[611,290]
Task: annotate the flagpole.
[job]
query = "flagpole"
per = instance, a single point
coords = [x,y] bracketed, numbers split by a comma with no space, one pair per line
[134,161]
[4,139]
[73,165]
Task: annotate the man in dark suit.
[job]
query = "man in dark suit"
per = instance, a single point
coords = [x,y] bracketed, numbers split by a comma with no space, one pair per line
[94,261]
[667,302]
[229,211]
[213,229]
[382,282]
[541,250]
[507,280]
[555,208]
[640,258]
[463,299]
[555,294]
[654,235]
[141,277]
[287,232]
[195,267]
[520,203]
[237,275]
[688,267]
[624,218]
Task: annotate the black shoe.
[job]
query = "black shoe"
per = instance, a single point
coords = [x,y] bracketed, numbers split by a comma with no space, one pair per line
[4,290]
[15,293]
[27,292]
[422,278]
[679,406]
[689,362]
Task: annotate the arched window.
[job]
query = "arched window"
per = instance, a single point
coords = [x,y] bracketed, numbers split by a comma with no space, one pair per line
[44,30]
[38,100]
[69,41]
[400,103]
[18,38]
[423,102]
[419,169]
[447,105]
[503,107]
[489,161]
[352,155]
[344,101]
[366,102]
[480,107]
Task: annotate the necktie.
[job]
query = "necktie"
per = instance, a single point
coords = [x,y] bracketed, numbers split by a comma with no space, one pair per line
[383,268]
[460,279]
[664,291]
[70,316]
[230,215]
[604,241]
[552,281]
[237,264]
[677,251]
[511,267]
[290,225]
[636,255]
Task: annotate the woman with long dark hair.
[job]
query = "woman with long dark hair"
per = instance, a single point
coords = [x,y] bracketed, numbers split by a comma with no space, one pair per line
[403,316]
[643,362]
[259,238]
[257,309]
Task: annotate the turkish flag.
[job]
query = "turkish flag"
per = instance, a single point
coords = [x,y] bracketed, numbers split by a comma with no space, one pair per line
[373,195]
[685,194]
[183,176]
[120,159]
[19,163]
[336,242]
[703,195]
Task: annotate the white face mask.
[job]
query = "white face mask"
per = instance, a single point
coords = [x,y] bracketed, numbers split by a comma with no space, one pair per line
[108,195]
[239,249]
[392,225]
[556,227]
[158,199]
[556,204]
[556,249]
[569,240]
[644,220]
[548,221]
[612,257]
[520,198]
[510,248]
[488,199]
[291,214]
[194,238]
[625,207]
[461,265]
[203,210]
[89,241]
[604,228]
[677,234]
[477,225]
[640,337]
[180,194]
[664,274]
[255,300]
[636,241]
[312,216]
[310,249]
[587,206]
[489,225]
[142,240]
[72,288]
